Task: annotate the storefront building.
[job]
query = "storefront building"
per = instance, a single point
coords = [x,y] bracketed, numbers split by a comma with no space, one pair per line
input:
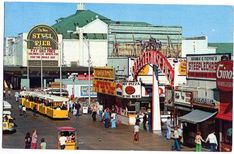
[197,103]
[224,84]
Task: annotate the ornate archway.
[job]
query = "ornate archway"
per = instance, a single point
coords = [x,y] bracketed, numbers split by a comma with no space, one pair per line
[156,58]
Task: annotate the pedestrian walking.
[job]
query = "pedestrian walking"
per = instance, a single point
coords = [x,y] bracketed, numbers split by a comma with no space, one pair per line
[9,92]
[4,93]
[27,141]
[113,120]
[94,113]
[136,131]
[78,108]
[181,139]
[168,124]
[198,142]
[34,139]
[176,140]
[71,104]
[35,111]
[20,109]
[24,111]
[100,112]
[213,144]
[43,143]
[62,141]
[144,121]
[16,96]
[106,117]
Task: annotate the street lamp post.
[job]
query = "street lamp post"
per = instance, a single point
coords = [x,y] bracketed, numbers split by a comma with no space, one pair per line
[80,32]
[89,61]
[41,69]
[60,59]
[40,50]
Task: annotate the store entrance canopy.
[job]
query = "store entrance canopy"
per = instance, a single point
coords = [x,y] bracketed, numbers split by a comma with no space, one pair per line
[196,116]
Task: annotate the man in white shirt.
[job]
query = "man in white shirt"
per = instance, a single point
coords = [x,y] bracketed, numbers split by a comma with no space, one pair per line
[212,141]
[62,141]
[176,138]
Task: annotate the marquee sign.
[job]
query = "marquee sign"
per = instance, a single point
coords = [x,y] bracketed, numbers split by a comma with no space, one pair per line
[104,87]
[42,44]
[224,75]
[131,89]
[203,66]
[104,73]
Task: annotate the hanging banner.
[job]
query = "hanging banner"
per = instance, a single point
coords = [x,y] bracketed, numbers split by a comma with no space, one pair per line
[224,76]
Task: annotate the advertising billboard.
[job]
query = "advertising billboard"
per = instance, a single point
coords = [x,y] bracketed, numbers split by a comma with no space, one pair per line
[204,66]
[131,89]
[104,73]
[42,46]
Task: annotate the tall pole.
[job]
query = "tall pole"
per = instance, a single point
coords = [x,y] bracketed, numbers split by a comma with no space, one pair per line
[28,81]
[60,69]
[41,69]
[89,70]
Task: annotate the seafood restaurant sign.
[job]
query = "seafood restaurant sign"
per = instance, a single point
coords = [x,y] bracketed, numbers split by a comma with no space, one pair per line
[224,75]
[42,45]
[204,66]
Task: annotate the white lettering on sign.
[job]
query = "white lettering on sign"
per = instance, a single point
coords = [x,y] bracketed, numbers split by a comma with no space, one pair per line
[224,74]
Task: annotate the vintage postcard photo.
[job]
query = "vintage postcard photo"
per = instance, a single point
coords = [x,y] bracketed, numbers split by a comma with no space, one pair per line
[117,76]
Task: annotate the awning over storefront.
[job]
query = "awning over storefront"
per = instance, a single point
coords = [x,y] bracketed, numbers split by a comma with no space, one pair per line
[225,112]
[196,116]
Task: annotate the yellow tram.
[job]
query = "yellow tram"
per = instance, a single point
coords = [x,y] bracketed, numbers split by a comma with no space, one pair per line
[52,106]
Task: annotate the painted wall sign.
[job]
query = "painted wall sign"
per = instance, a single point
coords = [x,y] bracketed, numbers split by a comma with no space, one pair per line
[42,44]
[84,91]
[183,97]
[104,73]
[132,90]
[104,87]
[224,76]
[205,101]
[203,66]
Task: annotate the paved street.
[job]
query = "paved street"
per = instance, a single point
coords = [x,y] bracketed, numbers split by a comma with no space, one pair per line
[92,135]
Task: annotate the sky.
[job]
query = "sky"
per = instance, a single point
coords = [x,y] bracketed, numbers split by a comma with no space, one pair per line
[214,21]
